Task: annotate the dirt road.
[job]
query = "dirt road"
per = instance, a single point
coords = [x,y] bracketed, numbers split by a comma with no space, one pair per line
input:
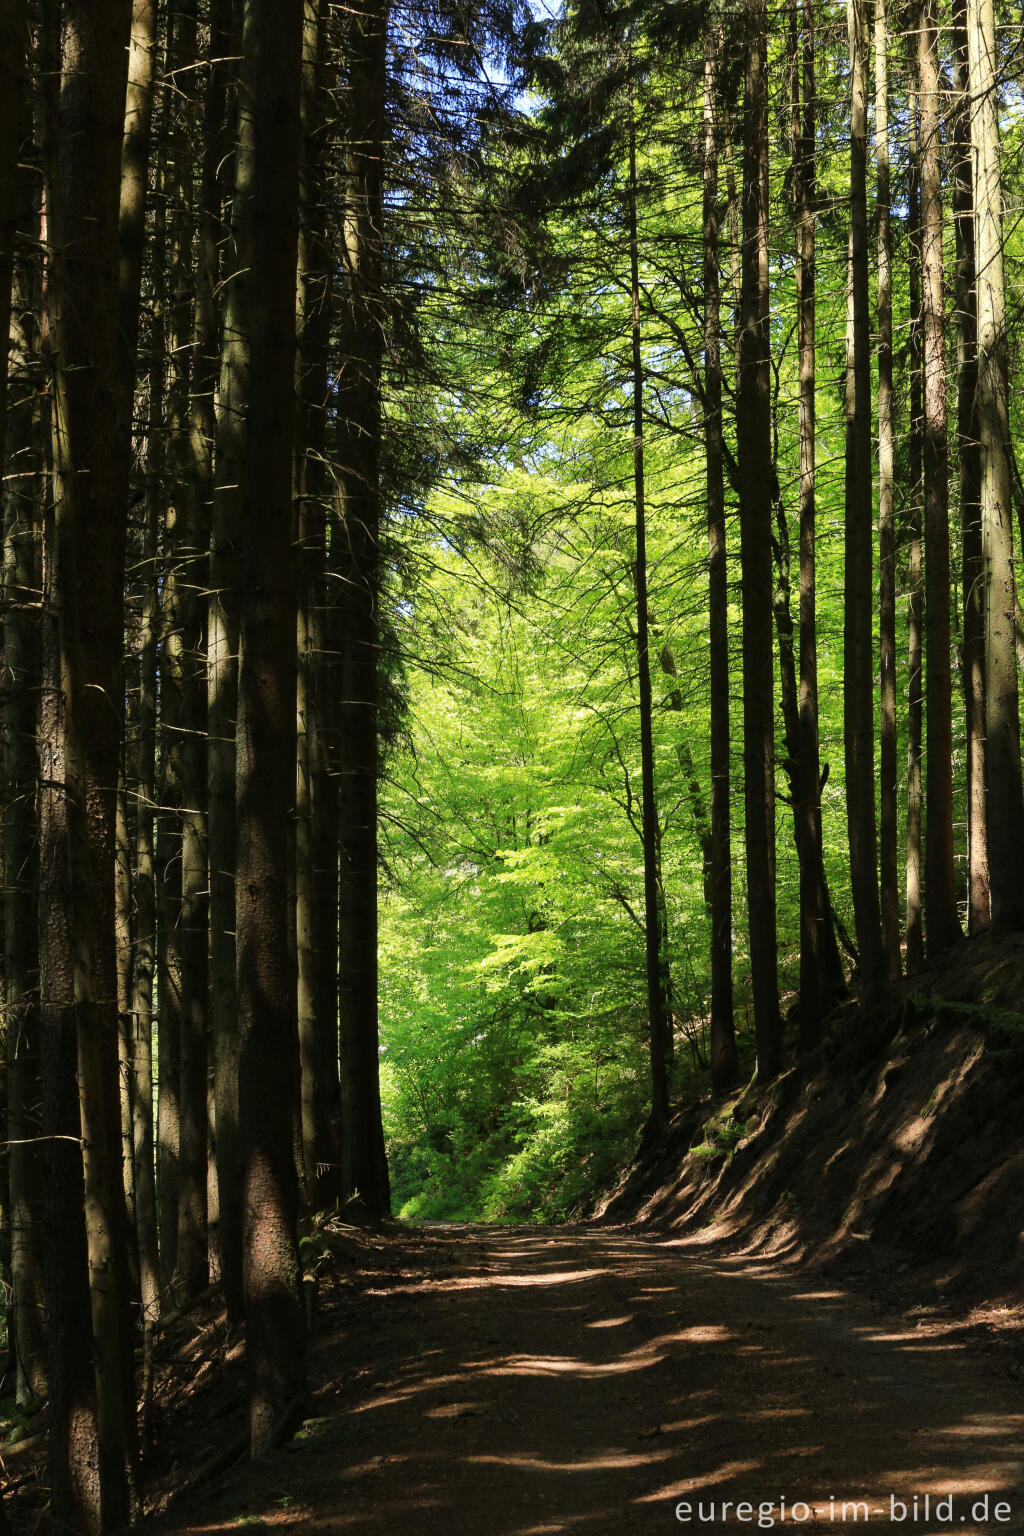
[525,1382]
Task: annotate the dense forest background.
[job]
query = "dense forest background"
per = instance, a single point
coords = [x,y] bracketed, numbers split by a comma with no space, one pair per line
[509,613]
[512,809]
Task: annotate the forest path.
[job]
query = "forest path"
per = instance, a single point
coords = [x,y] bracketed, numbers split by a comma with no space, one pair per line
[529,1381]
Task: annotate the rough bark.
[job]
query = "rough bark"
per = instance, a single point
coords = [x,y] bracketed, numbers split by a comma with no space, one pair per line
[316,862]
[724,1059]
[13,48]
[821,974]
[355,543]
[858,667]
[123,903]
[1003,760]
[915,595]
[657,1022]
[144,947]
[200,308]
[267,205]
[22,507]
[91,462]
[942,924]
[753,437]
[136,1042]
[197,877]
[73,1461]
[222,687]
[174,264]
[888,828]
[969,454]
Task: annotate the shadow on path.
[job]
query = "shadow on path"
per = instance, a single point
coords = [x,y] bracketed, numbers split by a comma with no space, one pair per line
[521,1382]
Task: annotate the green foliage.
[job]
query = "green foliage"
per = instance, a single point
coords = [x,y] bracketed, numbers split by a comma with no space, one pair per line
[514,1054]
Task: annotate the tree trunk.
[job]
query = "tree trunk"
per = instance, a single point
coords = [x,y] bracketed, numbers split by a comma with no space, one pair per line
[830,980]
[821,973]
[858,669]
[657,1023]
[24,490]
[1003,762]
[316,863]
[91,464]
[889,733]
[915,929]
[942,925]
[222,693]
[202,941]
[135,168]
[199,308]
[144,950]
[356,540]
[135,148]
[267,207]
[183,1027]
[724,1060]
[13,41]
[75,1502]
[168,877]
[123,903]
[753,440]
[174,264]
[969,451]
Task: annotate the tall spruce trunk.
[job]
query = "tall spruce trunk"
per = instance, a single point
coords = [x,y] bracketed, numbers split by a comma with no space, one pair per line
[821,973]
[222,619]
[168,885]
[316,853]
[942,924]
[91,464]
[144,947]
[134,199]
[754,452]
[858,668]
[656,1015]
[915,577]
[355,541]
[267,191]
[969,454]
[73,1458]
[123,905]
[888,828]
[200,313]
[183,712]
[173,264]
[23,493]
[197,879]
[1002,708]
[13,42]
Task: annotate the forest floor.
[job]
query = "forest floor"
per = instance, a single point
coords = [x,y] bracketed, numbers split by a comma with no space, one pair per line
[807,1293]
[469,1380]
